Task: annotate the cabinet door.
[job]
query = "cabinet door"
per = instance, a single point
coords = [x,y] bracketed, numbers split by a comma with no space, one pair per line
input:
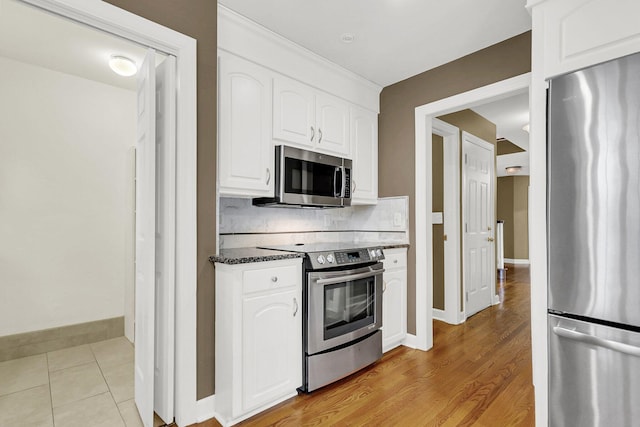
[394,310]
[364,142]
[272,347]
[293,112]
[245,154]
[332,121]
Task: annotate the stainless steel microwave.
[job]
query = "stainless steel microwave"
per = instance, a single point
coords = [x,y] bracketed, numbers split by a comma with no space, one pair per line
[308,179]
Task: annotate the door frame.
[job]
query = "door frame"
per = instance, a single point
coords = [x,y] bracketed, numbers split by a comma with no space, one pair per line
[493,298]
[453,314]
[424,116]
[119,22]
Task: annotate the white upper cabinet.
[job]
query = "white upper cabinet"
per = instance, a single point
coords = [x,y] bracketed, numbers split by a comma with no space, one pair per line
[293,112]
[332,122]
[364,143]
[245,155]
[308,118]
[581,33]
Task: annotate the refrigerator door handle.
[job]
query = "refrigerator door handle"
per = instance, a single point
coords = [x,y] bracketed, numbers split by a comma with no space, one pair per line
[590,339]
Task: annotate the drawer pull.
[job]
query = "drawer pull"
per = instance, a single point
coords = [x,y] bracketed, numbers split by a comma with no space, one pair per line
[395,261]
[274,279]
[295,307]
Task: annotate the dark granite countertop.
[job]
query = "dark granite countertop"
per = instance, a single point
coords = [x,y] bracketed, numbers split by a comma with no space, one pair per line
[247,255]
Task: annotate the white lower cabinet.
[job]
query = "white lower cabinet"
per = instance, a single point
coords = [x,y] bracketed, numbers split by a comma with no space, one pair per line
[258,336]
[394,298]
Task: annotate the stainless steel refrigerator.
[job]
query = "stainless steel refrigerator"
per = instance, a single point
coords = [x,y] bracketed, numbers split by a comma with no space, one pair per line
[593,202]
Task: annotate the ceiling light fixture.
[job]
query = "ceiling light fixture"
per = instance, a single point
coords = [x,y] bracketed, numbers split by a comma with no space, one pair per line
[347,38]
[512,170]
[526,128]
[122,65]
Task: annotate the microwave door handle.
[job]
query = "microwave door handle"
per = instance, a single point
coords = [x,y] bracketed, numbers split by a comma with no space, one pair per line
[349,277]
[343,193]
[338,192]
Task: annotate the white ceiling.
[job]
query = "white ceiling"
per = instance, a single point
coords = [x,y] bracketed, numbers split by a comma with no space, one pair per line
[394,39]
[509,115]
[28,34]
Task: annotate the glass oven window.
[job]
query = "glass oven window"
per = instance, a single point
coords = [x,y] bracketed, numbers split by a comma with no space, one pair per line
[348,306]
[303,177]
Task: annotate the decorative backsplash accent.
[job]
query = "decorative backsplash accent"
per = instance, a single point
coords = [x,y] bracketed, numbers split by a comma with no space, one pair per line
[244,225]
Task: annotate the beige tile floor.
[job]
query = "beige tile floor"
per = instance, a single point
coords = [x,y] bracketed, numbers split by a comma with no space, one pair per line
[88,385]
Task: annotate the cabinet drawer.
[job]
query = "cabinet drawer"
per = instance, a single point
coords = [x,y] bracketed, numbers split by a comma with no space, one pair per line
[395,259]
[264,279]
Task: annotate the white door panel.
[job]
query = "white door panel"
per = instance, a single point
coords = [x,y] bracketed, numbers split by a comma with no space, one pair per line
[165,238]
[145,280]
[479,219]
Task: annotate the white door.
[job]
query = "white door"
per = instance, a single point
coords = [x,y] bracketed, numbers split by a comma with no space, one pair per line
[293,112]
[145,239]
[364,139]
[165,237]
[478,212]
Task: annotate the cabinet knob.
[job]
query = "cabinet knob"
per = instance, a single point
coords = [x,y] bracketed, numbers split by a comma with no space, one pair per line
[395,261]
[268,176]
[295,307]
[313,133]
[319,136]
[490,239]
[274,279]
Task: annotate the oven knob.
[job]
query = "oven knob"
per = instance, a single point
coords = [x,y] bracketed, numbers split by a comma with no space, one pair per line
[330,259]
[320,259]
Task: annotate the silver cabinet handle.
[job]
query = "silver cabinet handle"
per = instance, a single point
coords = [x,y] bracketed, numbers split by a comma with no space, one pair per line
[313,133]
[295,307]
[384,286]
[395,261]
[268,176]
[631,350]
[353,186]
[274,279]
[319,136]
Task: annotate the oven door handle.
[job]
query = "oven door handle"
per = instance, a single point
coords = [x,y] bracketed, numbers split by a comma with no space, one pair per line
[349,277]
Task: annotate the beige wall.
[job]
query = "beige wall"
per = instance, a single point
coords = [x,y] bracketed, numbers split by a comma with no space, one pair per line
[507,59]
[437,174]
[66,210]
[514,210]
[198,19]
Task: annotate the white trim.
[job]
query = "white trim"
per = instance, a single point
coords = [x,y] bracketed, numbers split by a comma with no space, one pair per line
[516,261]
[424,115]
[439,315]
[112,19]
[410,341]
[206,408]
[451,202]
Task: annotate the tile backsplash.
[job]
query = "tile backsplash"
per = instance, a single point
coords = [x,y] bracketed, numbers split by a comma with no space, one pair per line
[242,224]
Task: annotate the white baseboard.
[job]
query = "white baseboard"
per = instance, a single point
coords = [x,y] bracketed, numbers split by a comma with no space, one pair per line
[516,261]
[439,314]
[410,341]
[206,408]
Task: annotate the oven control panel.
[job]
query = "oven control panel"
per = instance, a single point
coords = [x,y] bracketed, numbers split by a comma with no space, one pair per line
[320,260]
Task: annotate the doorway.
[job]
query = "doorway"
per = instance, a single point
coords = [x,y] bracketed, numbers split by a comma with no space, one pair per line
[116,21]
[423,204]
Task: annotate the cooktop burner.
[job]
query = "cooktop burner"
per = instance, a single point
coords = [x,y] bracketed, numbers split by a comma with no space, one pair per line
[328,255]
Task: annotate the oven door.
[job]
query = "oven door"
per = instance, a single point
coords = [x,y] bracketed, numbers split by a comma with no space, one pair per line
[342,306]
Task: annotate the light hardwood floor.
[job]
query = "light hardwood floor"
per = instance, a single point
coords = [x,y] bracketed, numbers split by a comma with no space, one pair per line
[477,374]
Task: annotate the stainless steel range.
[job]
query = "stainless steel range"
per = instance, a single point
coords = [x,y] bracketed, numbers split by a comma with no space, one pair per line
[342,296]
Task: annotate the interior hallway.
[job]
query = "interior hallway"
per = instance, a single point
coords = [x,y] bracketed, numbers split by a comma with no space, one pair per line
[477,374]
